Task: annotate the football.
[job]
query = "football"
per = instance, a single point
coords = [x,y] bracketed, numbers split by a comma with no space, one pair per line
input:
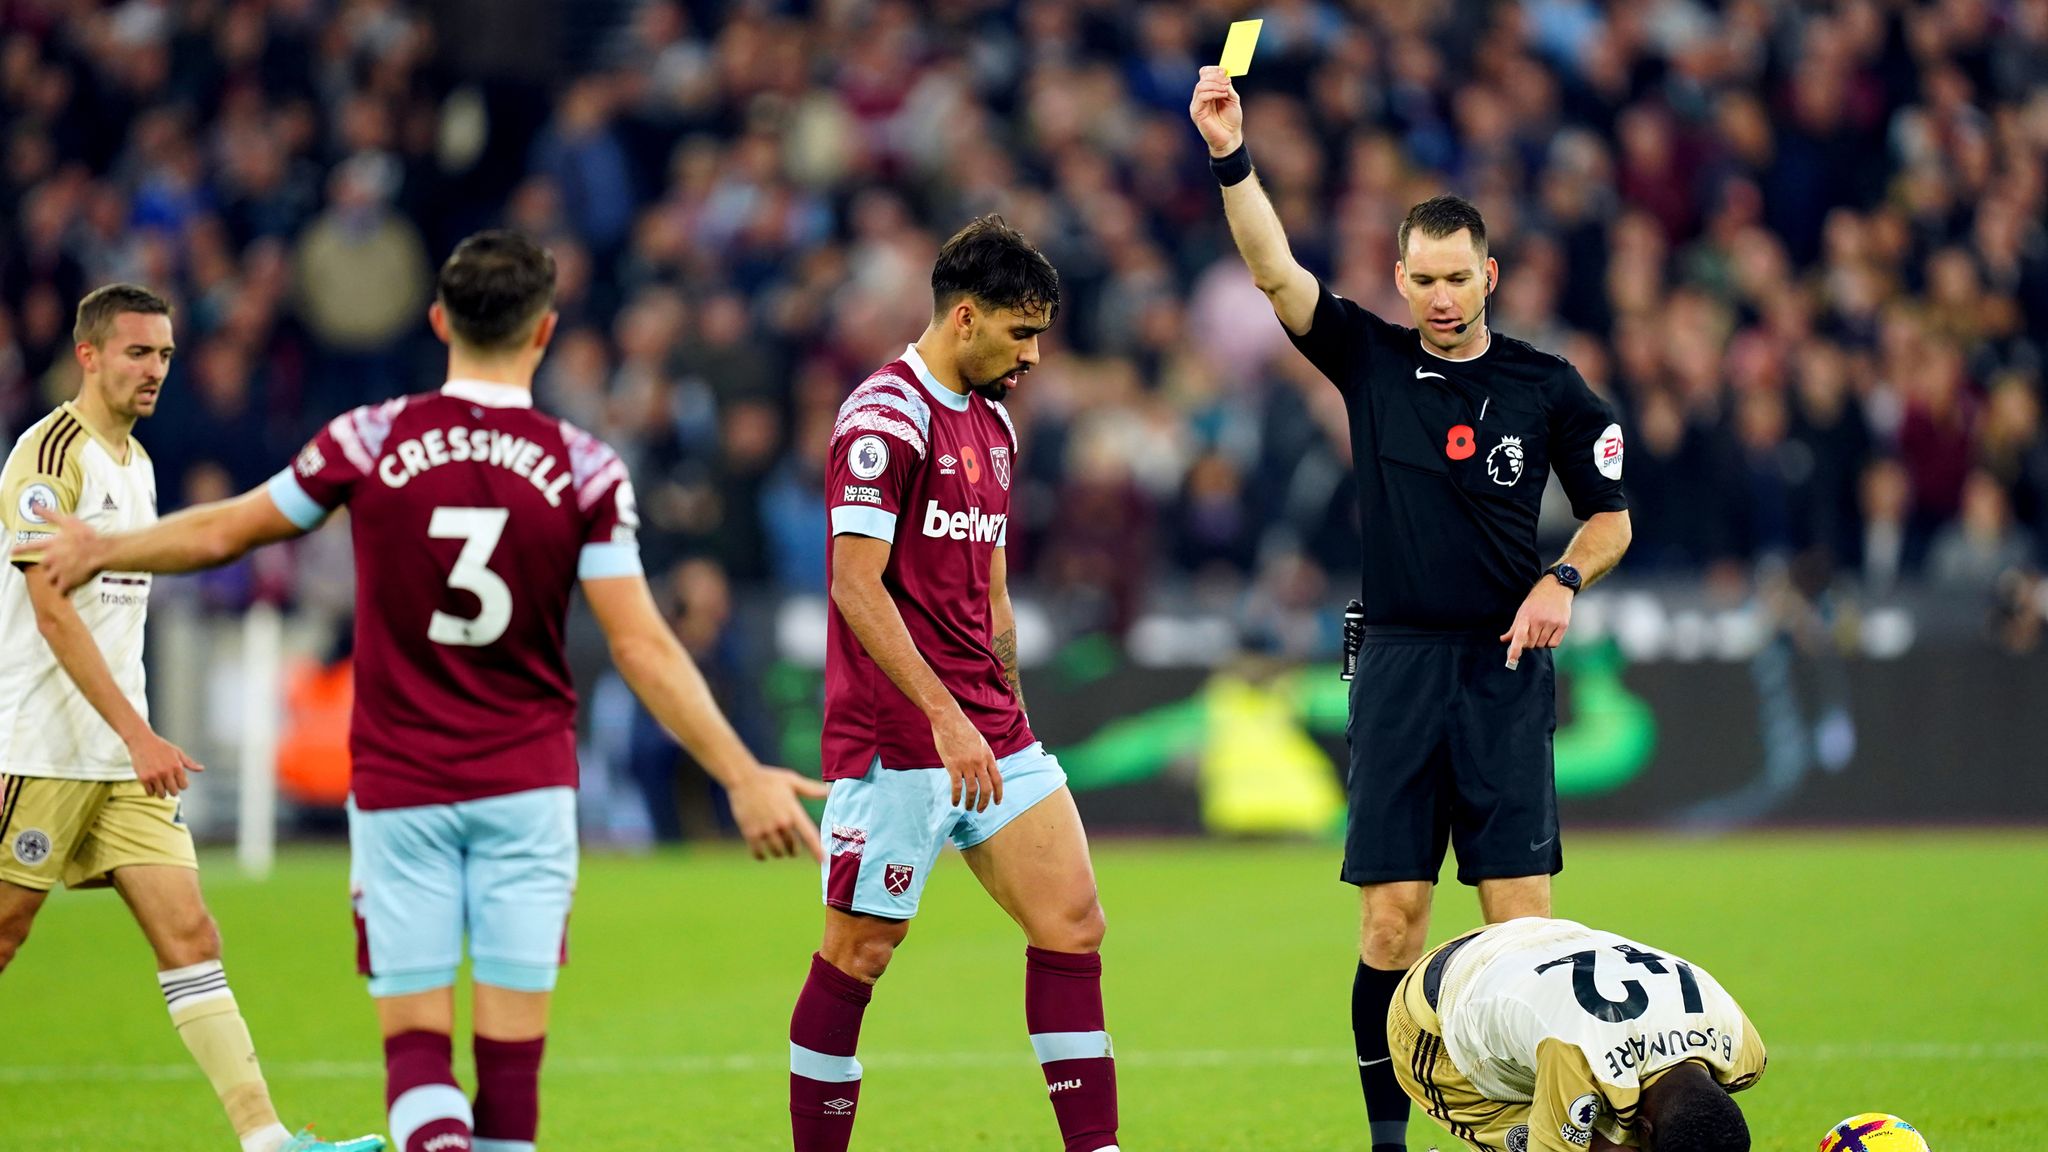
[1873,1132]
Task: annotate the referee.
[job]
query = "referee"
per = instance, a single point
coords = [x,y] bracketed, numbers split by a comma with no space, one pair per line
[1454,431]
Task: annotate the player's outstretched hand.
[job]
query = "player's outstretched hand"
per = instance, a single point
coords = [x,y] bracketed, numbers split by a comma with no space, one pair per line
[977,781]
[161,766]
[1545,614]
[1216,112]
[772,818]
[68,556]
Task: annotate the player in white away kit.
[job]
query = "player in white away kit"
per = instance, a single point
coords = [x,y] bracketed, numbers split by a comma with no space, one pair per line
[1547,1034]
[88,791]
[925,738]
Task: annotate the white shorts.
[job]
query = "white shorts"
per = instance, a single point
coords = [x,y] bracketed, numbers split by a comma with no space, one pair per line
[884,830]
[502,869]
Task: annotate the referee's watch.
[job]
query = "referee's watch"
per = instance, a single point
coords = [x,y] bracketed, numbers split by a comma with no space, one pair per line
[1566,575]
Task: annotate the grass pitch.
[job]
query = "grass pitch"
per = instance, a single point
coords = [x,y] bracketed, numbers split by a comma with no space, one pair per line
[1889,971]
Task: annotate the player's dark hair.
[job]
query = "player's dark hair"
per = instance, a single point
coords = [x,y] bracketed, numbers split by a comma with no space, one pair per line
[1441,216]
[1695,1114]
[998,268]
[96,312]
[494,286]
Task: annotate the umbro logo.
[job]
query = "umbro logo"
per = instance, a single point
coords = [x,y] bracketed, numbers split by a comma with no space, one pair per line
[839,1106]
[1422,374]
[947,464]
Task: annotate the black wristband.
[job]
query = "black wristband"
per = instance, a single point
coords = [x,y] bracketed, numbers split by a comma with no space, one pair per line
[1232,169]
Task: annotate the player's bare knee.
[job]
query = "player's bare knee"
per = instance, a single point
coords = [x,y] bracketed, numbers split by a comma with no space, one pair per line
[862,948]
[1394,931]
[1390,950]
[1392,912]
[1094,926]
[196,940]
[1080,930]
[869,957]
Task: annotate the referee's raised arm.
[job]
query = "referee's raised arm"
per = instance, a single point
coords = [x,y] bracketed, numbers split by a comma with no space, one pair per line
[1261,240]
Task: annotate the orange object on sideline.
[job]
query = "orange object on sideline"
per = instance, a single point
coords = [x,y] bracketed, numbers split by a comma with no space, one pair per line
[312,757]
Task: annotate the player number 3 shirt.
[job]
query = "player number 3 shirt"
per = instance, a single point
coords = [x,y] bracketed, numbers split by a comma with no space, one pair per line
[473,516]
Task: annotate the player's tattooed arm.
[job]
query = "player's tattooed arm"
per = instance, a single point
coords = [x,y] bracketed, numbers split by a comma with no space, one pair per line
[1006,651]
[1003,622]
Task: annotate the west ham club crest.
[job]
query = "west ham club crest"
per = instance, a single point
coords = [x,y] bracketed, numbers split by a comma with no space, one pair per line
[896,878]
[999,462]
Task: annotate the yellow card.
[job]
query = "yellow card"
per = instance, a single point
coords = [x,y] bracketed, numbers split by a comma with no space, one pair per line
[1237,50]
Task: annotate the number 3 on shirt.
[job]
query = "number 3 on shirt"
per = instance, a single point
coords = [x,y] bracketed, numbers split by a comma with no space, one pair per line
[478,529]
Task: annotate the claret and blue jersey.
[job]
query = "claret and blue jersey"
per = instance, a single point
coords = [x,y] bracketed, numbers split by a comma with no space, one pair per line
[929,470]
[473,516]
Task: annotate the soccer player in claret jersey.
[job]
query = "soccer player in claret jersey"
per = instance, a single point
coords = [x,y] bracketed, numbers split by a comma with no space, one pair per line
[473,517]
[925,737]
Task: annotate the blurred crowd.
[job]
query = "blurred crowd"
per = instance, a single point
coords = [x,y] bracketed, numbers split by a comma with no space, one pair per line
[1800,246]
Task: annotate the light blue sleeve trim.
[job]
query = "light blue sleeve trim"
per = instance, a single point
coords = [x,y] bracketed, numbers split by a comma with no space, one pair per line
[849,518]
[291,499]
[1003,537]
[603,561]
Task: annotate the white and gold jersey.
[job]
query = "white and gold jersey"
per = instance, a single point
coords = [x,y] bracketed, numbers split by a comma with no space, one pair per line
[46,726]
[1575,1021]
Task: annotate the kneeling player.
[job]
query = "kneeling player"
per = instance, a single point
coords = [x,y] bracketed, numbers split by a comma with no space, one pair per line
[925,738]
[1547,1034]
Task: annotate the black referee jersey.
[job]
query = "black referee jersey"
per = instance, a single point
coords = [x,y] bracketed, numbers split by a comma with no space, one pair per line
[1451,457]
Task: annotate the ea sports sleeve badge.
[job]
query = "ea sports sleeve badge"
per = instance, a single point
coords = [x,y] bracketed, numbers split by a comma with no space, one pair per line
[1607,452]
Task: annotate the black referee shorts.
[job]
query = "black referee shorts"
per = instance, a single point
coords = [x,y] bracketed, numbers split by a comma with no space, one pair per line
[1449,747]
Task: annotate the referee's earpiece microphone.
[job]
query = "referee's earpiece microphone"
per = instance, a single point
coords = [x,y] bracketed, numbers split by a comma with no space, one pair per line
[1460,329]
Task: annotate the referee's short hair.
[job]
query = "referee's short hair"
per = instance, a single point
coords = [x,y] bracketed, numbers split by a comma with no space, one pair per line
[998,268]
[1441,216]
[494,286]
[95,320]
